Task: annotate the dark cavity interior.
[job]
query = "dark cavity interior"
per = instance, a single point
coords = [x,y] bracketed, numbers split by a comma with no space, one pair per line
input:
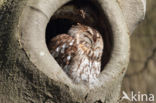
[70,14]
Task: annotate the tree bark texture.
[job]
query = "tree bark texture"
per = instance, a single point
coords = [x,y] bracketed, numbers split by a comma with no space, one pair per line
[141,73]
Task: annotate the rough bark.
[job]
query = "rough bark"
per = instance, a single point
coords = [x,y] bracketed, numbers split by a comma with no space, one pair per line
[141,73]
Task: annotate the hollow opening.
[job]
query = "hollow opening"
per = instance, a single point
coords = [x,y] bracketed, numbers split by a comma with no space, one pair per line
[71,14]
[58,26]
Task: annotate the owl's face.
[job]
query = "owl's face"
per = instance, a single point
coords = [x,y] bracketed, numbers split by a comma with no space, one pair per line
[88,39]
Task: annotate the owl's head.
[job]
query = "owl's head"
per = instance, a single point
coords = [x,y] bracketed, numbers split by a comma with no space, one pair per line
[88,40]
[87,36]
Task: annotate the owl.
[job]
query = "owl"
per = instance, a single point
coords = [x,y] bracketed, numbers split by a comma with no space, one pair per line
[79,53]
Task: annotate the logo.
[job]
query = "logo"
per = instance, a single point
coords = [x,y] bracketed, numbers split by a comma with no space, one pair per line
[137,97]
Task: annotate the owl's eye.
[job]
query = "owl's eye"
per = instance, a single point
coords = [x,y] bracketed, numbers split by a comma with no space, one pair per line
[87,40]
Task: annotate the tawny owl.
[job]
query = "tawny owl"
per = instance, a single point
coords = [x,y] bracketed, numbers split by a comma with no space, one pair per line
[79,53]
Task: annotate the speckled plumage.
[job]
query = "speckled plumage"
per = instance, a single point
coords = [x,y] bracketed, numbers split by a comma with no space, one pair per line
[79,53]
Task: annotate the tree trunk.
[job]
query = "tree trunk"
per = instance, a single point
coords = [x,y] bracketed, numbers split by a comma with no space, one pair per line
[29,74]
[141,73]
